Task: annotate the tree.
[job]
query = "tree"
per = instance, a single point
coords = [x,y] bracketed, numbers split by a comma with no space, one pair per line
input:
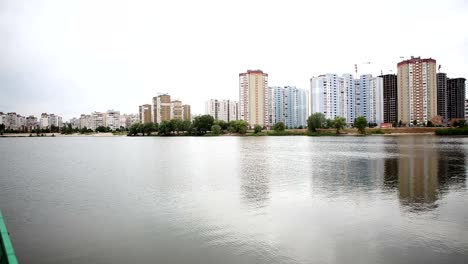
[216,130]
[238,126]
[101,129]
[202,124]
[279,127]
[459,123]
[223,124]
[165,128]
[415,122]
[2,129]
[186,125]
[400,123]
[360,123]
[148,128]
[339,123]
[315,121]
[257,129]
[176,125]
[134,129]
[429,123]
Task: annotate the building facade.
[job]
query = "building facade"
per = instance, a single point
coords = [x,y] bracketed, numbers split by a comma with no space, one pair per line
[186,113]
[348,97]
[226,110]
[390,98]
[455,98]
[417,90]
[112,119]
[253,95]
[176,110]
[161,108]
[442,95]
[145,113]
[288,105]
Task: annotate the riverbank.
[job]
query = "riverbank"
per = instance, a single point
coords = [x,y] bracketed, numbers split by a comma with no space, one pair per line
[398,131]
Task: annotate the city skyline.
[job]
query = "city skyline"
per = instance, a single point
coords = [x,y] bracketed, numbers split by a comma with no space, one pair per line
[54,61]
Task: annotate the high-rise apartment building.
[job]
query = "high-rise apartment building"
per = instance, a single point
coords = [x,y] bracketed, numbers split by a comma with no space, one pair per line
[113,119]
[186,113]
[455,98]
[417,90]
[347,97]
[325,95]
[145,113]
[288,105]
[466,109]
[161,108]
[390,98]
[176,110]
[442,95]
[226,110]
[253,95]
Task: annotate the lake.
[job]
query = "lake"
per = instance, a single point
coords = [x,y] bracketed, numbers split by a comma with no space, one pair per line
[375,199]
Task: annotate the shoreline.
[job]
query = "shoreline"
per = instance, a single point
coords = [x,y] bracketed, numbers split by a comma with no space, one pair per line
[49,135]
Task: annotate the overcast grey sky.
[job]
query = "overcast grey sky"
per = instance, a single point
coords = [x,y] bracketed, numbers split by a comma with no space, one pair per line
[73,57]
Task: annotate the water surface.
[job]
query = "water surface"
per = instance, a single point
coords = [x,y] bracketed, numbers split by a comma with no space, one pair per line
[236,199]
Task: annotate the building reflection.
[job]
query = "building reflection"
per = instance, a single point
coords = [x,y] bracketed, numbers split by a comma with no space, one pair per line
[424,170]
[255,189]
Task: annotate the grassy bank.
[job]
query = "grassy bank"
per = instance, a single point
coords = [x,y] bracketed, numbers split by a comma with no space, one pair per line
[452,131]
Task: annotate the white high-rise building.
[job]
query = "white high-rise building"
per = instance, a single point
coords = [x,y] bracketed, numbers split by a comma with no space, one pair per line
[44,121]
[253,97]
[226,110]
[288,105]
[348,97]
[466,109]
[113,119]
[326,95]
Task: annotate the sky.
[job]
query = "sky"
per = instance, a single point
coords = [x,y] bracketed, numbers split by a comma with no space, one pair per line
[73,57]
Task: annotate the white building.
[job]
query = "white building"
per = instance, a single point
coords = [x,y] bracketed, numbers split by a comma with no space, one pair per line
[288,105]
[44,121]
[98,119]
[466,109]
[127,120]
[326,95]
[226,110]
[112,119]
[348,97]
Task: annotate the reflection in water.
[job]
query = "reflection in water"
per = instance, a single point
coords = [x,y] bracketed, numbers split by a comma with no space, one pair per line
[424,171]
[254,185]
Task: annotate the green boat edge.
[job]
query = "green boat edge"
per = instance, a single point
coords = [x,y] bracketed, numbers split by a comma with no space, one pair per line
[7,253]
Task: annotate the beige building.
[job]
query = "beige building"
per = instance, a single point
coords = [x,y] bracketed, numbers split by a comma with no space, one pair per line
[417,90]
[176,110]
[145,113]
[161,108]
[186,113]
[253,94]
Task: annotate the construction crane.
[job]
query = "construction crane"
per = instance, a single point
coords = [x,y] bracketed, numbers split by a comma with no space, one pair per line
[356,67]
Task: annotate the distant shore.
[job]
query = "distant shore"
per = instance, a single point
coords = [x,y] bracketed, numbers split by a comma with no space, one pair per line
[400,131]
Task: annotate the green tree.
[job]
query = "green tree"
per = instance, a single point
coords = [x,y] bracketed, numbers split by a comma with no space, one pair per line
[216,130]
[429,123]
[339,123]
[223,124]
[134,129]
[257,129]
[279,127]
[176,125]
[165,128]
[415,122]
[186,125]
[101,129]
[315,121]
[238,126]
[360,123]
[148,128]
[2,129]
[202,124]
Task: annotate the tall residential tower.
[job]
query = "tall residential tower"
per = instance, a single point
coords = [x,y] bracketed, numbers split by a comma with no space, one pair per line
[253,95]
